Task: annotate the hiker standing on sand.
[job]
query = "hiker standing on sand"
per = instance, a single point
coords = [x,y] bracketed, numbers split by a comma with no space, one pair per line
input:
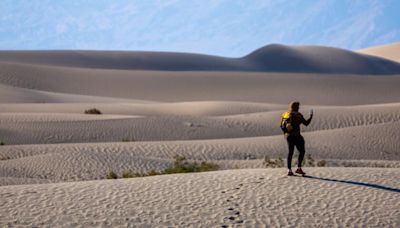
[290,125]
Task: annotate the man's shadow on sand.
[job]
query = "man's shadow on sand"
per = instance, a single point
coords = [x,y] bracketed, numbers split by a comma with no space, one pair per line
[377,186]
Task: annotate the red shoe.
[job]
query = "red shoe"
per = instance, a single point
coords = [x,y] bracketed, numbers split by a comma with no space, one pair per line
[290,173]
[300,171]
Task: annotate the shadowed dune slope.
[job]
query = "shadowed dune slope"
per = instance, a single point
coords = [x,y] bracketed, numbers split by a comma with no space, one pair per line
[318,59]
[280,88]
[271,58]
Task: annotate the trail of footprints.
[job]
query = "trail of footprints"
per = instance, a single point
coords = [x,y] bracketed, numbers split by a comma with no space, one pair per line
[234,216]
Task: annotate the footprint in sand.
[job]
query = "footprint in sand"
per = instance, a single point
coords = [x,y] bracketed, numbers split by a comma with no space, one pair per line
[234,218]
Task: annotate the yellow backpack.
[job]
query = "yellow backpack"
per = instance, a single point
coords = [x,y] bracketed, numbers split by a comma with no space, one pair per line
[286,124]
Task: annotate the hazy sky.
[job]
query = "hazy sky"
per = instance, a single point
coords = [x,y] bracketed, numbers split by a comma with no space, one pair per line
[220,27]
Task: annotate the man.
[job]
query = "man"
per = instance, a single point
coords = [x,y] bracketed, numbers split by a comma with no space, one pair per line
[293,136]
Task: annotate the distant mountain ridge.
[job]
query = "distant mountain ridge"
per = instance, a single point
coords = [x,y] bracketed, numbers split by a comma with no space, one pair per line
[271,58]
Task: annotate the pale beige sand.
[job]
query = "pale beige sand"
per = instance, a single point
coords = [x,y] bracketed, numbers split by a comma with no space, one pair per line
[348,197]
[22,181]
[200,108]
[66,162]
[388,51]
[174,121]
[233,134]
[13,95]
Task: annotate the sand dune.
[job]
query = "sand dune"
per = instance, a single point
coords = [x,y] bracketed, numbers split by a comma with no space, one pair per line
[352,146]
[22,181]
[271,58]
[155,122]
[137,129]
[143,108]
[93,161]
[258,197]
[389,51]
[12,95]
[197,86]
[317,59]
[206,108]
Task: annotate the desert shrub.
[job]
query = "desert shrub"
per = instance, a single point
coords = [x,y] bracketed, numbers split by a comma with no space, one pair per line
[112,175]
[2,143]
[267,161]
[273,163]
[93,111]
[321,163]
[309,160]
[182,166]
[207,166]
[131,174]
[191,168]
[153,173]
[128,140]
[280,161]
[179,160]
[377,165]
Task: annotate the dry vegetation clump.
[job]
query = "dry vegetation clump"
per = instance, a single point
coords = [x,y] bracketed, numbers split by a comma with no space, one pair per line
[309,160]
[278,163]
[181,165]
[94,111]
[2,143]
[321,163]
[131,174]
[112,175]
[153,173]
[273,163]
[128,140]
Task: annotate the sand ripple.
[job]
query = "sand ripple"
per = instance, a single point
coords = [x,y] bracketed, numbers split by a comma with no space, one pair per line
[263,197]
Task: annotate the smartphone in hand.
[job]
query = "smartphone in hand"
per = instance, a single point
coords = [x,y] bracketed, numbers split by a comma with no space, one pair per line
[311,112]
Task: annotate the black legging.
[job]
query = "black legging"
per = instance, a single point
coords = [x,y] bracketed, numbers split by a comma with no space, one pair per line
[297,141]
